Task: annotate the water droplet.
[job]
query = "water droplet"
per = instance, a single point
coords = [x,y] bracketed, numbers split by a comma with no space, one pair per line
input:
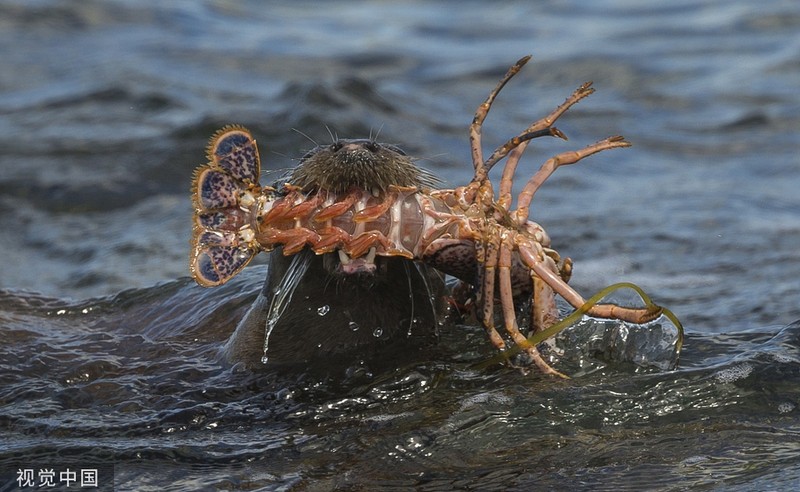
[323,310]
[377,332]
[264,359]
[353,325]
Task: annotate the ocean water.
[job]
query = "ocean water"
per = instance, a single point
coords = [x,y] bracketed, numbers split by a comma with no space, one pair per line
[109,354]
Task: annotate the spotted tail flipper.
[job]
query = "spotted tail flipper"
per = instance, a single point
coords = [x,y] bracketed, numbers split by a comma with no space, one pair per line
[226,197]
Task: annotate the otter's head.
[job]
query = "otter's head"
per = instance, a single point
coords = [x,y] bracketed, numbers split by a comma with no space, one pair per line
[362,164]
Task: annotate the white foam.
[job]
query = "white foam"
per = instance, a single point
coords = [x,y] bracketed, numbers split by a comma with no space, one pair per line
[734,373]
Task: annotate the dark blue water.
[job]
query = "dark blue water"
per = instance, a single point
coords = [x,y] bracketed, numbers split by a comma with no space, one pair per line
[109,351]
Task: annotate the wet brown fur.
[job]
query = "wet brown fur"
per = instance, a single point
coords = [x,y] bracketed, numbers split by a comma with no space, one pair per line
[363,164]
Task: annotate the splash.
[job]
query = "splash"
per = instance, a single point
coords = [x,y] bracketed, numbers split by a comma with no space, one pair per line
[576,316]
[282,295]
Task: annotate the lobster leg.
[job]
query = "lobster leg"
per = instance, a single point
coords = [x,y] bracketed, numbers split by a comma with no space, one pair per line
[545,312]
[509,314]
[293,240]
[504,198]
[293,206]
[609,311]
[541,127]
[481,171]
[488,290]
[331,238]
[338,208]
[375,211]
[563,159]
[521,140]
[515,152]
[360,244]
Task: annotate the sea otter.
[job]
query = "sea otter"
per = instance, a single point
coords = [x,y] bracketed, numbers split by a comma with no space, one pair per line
[342,312]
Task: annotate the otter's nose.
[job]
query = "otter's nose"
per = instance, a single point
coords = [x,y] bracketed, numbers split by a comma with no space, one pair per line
[359,145]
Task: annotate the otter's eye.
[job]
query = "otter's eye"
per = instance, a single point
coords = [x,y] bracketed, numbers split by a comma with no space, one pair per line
[336,146]
[372,146]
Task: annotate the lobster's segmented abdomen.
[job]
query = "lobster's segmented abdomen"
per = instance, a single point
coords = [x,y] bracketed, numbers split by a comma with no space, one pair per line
[402,223]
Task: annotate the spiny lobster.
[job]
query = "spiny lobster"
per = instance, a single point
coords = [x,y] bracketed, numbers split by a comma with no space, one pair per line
[465,232]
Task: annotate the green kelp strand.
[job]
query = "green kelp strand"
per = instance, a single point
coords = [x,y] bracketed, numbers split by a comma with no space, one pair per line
[576,315]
